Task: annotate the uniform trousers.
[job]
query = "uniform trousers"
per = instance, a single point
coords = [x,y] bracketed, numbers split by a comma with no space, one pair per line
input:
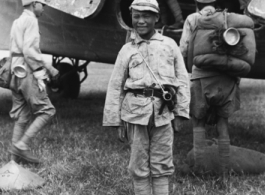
[27,99]
[151,150]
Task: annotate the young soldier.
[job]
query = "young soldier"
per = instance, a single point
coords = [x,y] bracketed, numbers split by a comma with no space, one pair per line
[28,89]
[209,89]
[134,99]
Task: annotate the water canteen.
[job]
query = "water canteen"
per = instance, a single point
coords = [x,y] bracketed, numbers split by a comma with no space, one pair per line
[20,71]
[231,36]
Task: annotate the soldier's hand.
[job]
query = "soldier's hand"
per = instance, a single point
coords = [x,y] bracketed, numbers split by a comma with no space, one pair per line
[122,136]
[177,123]
[55,80]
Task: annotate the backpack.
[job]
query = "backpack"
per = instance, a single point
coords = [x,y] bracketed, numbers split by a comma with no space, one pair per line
[208,50]
[5,72]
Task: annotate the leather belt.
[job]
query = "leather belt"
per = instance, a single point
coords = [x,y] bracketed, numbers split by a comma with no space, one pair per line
[147,92]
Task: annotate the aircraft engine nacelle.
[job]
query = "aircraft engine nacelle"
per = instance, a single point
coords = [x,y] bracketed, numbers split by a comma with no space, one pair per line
[78,8]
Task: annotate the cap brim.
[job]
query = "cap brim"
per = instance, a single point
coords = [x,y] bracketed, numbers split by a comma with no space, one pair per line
[42,2]
[209,1]
[144,8]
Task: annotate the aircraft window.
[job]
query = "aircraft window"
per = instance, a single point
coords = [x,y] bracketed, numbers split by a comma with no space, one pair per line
[78,8]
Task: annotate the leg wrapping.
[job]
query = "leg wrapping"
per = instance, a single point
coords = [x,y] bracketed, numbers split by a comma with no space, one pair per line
[142,186]
[199,145]
[33,129]
[224,154]
[160,185]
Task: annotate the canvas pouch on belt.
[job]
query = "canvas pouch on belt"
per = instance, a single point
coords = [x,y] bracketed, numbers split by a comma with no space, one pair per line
[5,72]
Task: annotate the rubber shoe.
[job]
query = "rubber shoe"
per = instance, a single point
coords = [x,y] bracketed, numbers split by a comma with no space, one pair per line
[25,155]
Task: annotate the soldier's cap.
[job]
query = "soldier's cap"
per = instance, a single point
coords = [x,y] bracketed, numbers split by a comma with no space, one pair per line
[205,1]
[145,5]
[27,2]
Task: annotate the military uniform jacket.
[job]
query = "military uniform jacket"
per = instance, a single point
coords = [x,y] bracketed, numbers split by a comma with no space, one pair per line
[25,40]
[130,72]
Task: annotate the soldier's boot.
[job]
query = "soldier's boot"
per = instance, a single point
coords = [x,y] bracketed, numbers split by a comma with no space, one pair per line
[19,128]
[142,186]
[24,155]
[199,145]
[160,185]
[177,13]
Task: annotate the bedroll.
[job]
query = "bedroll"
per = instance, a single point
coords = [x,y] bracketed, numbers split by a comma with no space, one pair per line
[208,49]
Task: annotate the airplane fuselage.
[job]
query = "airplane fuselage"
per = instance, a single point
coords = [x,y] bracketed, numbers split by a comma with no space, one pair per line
[99,38]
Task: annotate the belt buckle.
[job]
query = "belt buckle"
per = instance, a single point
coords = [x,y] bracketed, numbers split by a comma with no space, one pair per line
[148,92]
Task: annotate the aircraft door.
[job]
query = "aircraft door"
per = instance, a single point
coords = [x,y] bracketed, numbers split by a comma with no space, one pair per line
[79,8]
[124,17]
[123,13]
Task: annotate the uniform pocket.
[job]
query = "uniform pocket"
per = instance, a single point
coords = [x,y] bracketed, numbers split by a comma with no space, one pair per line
[132,104]
[136,67]
[166,66]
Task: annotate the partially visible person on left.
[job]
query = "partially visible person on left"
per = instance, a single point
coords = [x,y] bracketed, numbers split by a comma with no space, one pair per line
[27,83]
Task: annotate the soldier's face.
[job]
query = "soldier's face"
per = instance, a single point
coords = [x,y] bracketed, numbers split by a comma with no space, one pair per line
[144,23]
[38,9]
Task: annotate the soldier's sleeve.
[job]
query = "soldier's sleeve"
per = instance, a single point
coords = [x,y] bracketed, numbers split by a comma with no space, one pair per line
[31,48]
[244,3]
[51,70]
[183,94]
[115,92]
[185,38]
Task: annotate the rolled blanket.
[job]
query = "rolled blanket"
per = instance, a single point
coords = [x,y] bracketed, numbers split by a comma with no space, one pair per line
[217,20]
[231,65]
[206,42]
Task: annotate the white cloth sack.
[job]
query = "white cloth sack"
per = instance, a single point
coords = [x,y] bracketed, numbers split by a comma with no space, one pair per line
[15,177]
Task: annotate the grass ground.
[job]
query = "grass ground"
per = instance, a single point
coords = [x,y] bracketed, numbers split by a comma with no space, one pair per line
[80,157]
